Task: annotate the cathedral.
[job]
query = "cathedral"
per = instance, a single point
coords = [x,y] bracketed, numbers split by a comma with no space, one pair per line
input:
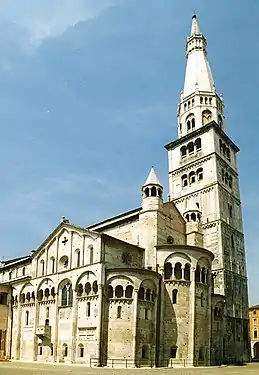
[161,285]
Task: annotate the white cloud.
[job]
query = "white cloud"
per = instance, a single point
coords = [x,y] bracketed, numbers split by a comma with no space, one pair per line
[44,18]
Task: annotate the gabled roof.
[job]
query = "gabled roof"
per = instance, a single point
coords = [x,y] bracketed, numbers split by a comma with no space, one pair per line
[62,225]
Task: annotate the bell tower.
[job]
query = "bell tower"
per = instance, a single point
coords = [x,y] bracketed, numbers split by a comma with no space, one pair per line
[203,169]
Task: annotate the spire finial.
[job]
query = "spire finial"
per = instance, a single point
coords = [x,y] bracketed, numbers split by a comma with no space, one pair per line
[152,178]
[195,26]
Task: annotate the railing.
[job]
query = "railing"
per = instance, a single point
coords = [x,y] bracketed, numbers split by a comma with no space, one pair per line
[171,363]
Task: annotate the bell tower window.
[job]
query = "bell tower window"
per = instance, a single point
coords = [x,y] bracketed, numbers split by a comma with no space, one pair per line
[190,122]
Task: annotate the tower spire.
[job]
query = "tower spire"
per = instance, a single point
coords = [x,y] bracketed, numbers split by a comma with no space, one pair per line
[195,26]
[199,102]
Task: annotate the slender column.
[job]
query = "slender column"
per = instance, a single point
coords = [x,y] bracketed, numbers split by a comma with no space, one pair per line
[8,349]
[56,354]
[161,339]
[134,328]
[154,318]
[191,318]
[18,333]
[56,261]
[35,325]
[71,250]
[208,279]
[74,327]
[99,325]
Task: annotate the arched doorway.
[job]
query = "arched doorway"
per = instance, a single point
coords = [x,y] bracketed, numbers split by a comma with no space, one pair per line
[256,350]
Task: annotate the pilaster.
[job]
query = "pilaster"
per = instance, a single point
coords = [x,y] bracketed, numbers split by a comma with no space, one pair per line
[134,328]
[192,308]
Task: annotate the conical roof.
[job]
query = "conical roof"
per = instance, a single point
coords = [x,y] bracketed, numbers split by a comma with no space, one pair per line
[152,178]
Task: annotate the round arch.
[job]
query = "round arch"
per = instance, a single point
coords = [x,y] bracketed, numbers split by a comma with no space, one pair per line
[83,275]
[119,277]
[178,254]
[46,280]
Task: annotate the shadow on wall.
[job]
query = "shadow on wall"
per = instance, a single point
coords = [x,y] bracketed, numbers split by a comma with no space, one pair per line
[170,328]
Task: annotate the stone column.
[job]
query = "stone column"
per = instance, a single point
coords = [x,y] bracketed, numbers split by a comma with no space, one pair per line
[134,327]
[100,325]
[8,349]
[74,327]
[192,319]
[35,325]
[18,333]
[56,353]
[208,346]
[161,338]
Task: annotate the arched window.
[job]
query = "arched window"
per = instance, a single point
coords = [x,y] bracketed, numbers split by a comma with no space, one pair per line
[193,216]
[230,181]
[65,350]
[40,295]
[79,290]
[203,275]
[46,293]
[42,267]
[95,287]
[199,174]
[190,147]
[159,192]
[81,350]
[88,309]
[144,352]
[129,291]
[52,259]
[187,217]
[173,352]
[10,275]
[192,177]
[202,299]
[46,322]
[23,271]
[178,271]
[198,144]
[78,258]
[220,121]
[184,180]
[255,334]
[174,296]
[146,314]
[224,148]
[52,292]
[193,123]
[67,295]
[91,254]
[28,297]
[183,151]
[141,293]
[198,274]
[188,125]
[40,349]
[110,291]
[228,153]
[51,349]
[119,308]
[119,291]
[232,242]
[146,192]
[187,272]
[153,191]
[47,312]
[27,318]
[87,288]
[148,294]
[168,271]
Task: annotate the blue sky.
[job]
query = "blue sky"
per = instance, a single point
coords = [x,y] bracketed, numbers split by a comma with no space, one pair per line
[88,97]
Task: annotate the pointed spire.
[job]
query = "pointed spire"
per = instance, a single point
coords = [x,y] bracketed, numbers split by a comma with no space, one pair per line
[198,75]
[195,26]
[152,178]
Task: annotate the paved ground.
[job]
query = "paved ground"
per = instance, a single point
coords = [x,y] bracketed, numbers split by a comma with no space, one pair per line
[16,368]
